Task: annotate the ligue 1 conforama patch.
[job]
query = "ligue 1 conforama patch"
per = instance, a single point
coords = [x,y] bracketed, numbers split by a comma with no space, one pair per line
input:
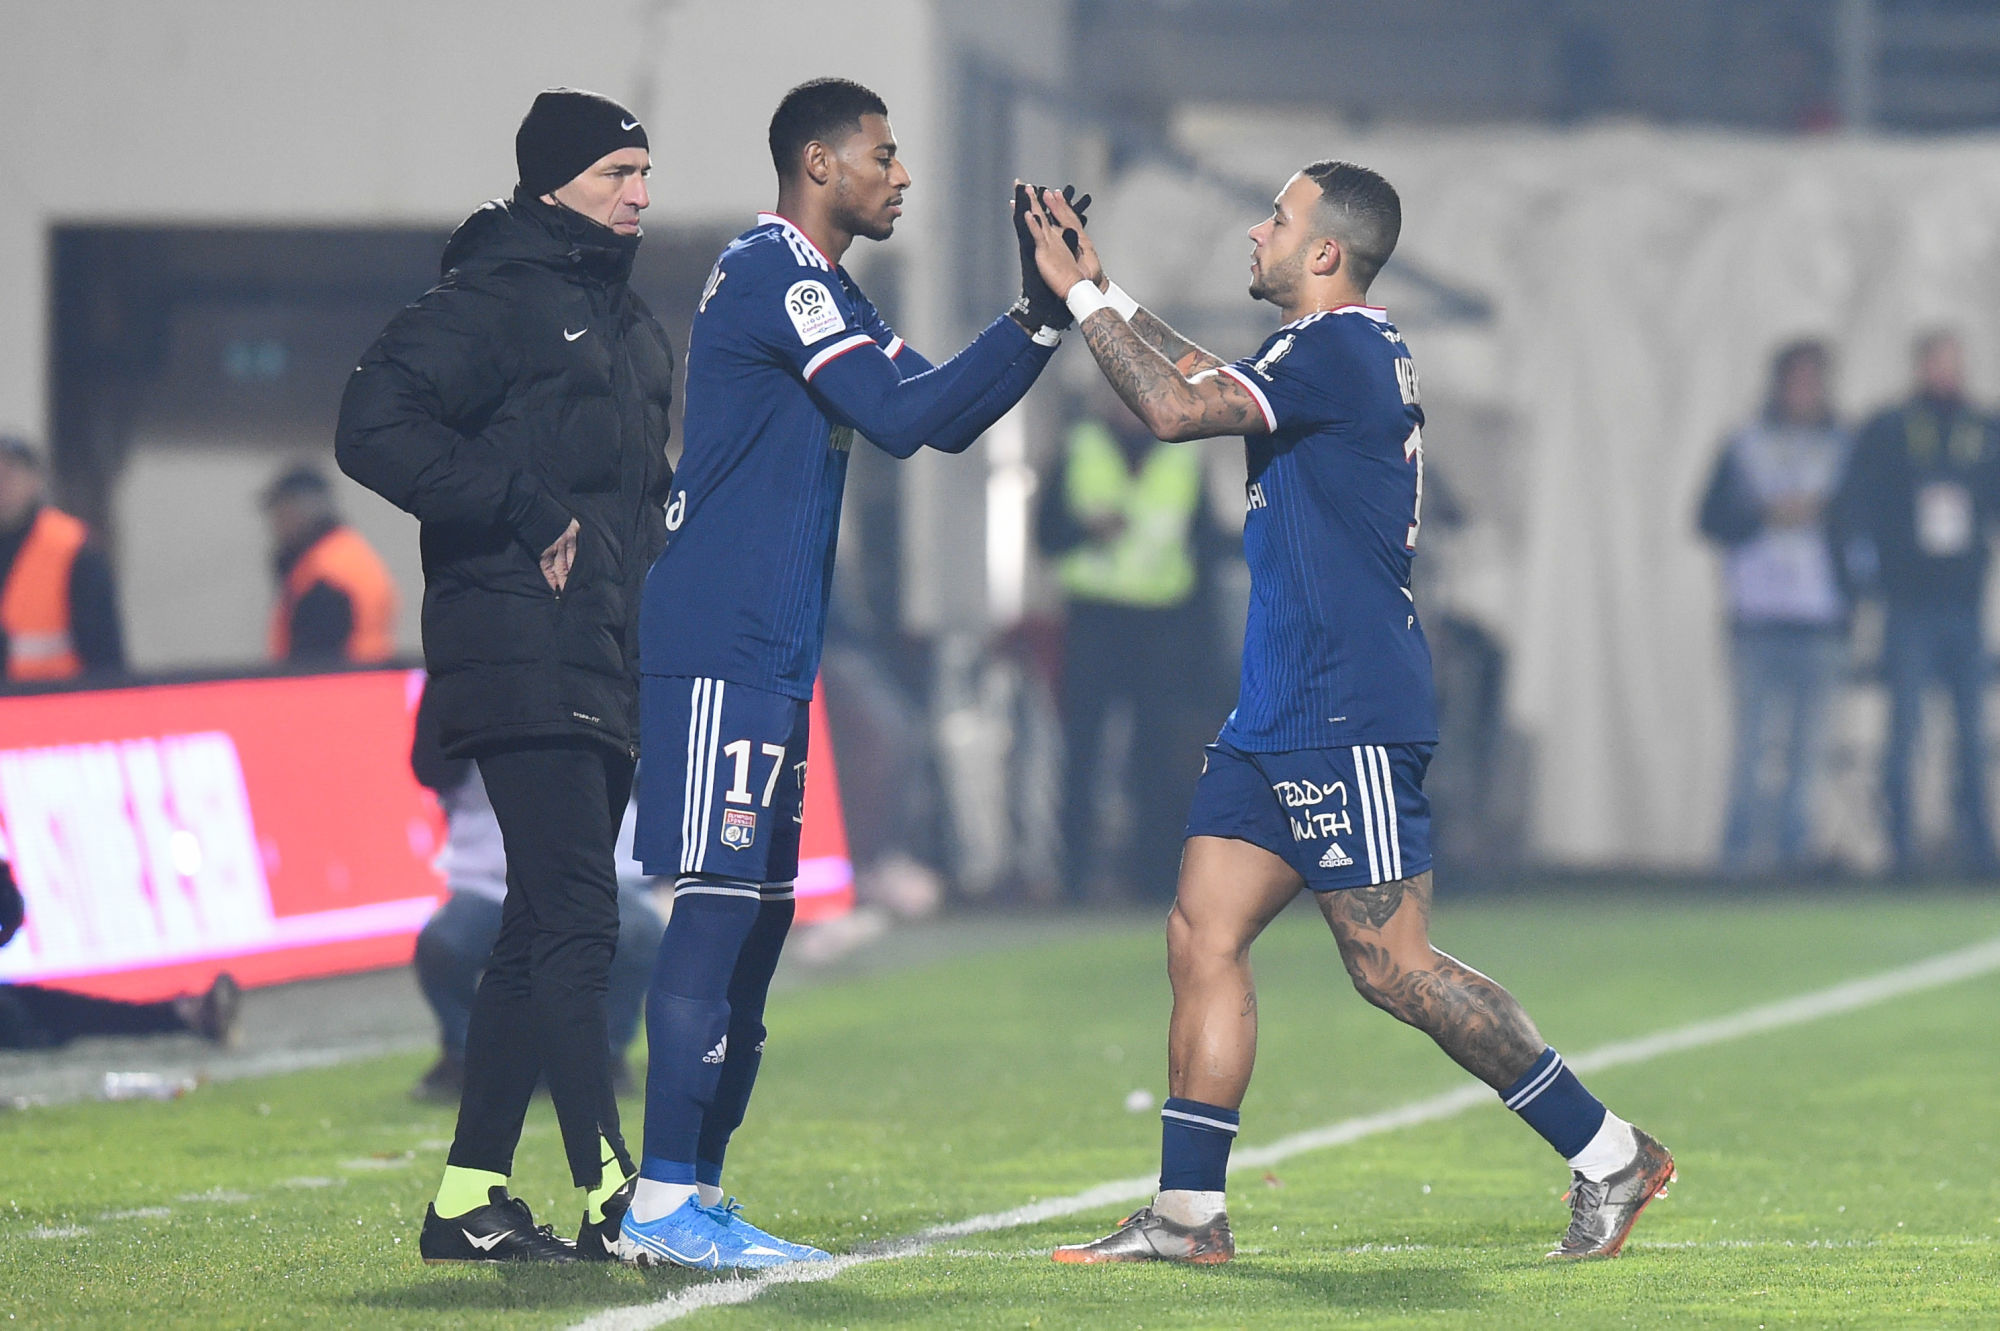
[739,828]
[813,313]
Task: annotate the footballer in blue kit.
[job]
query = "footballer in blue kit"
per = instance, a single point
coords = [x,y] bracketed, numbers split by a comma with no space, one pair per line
[1316,780]
[789,368]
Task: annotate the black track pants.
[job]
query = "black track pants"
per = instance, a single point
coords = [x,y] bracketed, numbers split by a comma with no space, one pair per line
[32,1017]
[540,1007]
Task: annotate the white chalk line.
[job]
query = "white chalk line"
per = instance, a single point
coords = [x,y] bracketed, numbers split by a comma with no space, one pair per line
[1931,973]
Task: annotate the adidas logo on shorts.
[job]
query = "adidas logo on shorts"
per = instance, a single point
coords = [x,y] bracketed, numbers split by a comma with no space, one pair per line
[717,1054]
[1335,857]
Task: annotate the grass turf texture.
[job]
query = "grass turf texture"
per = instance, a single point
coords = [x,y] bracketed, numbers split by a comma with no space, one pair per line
[1839,1173]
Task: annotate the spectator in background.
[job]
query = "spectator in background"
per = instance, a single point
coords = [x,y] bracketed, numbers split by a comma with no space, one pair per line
[1919,497]
[453,948]
[1767,506]
[336,600]
[33,1017]
[1120,520]
[58,605]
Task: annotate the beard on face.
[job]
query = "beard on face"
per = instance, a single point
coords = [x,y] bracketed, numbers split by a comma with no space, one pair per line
[857,223]
[1276,283]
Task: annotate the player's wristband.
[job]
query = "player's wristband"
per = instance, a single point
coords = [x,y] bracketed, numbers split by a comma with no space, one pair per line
[1046,336]
[1084,300]
[1124,304]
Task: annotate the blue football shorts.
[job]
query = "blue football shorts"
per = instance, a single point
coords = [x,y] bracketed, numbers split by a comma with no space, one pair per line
[723,779]
[1347,817]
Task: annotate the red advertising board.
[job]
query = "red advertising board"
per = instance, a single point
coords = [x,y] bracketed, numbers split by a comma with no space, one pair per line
[267,827]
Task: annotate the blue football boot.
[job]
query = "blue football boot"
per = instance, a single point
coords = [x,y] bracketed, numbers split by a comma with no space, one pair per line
[688,1236]
[728,1218]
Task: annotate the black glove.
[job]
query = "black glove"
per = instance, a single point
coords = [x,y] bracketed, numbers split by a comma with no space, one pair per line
[1080,205]
[1040,307]
[12,909]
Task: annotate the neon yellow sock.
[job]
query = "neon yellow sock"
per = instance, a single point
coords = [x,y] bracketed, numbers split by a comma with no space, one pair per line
[609,1181]
[466,1190]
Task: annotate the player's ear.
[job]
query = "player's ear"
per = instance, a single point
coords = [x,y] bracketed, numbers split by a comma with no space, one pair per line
[1326,257]
[818,160]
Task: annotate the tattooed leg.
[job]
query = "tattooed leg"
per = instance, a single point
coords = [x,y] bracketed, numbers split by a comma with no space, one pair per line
[1229,890]
[1384,938]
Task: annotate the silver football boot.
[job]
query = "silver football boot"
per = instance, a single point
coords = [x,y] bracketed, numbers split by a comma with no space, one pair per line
[1146,1237]
[1602,1214]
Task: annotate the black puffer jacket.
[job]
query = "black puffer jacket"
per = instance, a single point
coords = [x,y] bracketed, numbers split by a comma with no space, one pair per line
[528,387]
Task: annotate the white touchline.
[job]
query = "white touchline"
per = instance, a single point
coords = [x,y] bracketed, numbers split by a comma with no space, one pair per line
[1934,972]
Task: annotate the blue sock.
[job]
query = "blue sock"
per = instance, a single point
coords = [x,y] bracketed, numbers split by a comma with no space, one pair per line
[687,1016]
[1555,1104]
[1194,1145]
[667,1171]
[755,965]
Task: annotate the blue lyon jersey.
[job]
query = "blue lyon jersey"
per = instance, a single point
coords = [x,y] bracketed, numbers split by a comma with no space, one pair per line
[743,585]
[1333,654]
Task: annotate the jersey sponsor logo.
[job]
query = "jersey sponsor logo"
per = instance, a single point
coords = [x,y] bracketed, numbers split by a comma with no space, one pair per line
[739,828]
[1335,857]
[814,315]
[715,276]
[677,510]
[1279,350]
[1257,499]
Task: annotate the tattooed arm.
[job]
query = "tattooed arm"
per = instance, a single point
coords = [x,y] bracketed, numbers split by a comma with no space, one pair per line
[1172,405]
[1171,384]
[1188,358]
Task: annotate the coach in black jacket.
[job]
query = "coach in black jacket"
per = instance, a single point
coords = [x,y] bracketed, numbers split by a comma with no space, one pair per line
[519,410]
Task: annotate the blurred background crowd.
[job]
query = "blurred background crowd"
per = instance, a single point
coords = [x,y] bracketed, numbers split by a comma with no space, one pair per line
[1706,299]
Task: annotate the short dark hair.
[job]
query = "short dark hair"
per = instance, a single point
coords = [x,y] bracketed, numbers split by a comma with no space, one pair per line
[1799,351]
[18,450]
[304,481]
[1358,208]
[818,111]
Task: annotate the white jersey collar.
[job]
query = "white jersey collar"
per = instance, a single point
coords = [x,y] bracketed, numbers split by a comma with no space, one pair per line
[792,229]
[1375,312]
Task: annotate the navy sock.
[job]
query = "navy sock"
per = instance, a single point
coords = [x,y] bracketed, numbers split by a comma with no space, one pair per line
[687,1017]
[1194,1145]
[748,988]
[1555,1104]
[666,1171]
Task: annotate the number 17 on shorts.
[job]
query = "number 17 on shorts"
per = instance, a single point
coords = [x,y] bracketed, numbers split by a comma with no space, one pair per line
[722,785]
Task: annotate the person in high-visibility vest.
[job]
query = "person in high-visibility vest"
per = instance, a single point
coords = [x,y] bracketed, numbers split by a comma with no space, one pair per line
[58,603]
[336,600]
[1121,517]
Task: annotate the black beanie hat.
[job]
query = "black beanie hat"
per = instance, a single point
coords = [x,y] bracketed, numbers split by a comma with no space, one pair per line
[564,132]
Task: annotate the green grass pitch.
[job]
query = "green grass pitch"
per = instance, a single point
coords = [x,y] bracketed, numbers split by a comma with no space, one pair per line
[1841,1172]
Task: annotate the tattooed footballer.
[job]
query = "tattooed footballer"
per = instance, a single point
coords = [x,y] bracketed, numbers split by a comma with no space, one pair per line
[1316,781]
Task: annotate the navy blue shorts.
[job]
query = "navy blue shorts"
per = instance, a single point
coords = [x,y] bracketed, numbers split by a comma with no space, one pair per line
[722,788]
[1341,817]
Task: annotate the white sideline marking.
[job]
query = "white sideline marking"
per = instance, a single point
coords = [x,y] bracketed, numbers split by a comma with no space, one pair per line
[1931,973]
